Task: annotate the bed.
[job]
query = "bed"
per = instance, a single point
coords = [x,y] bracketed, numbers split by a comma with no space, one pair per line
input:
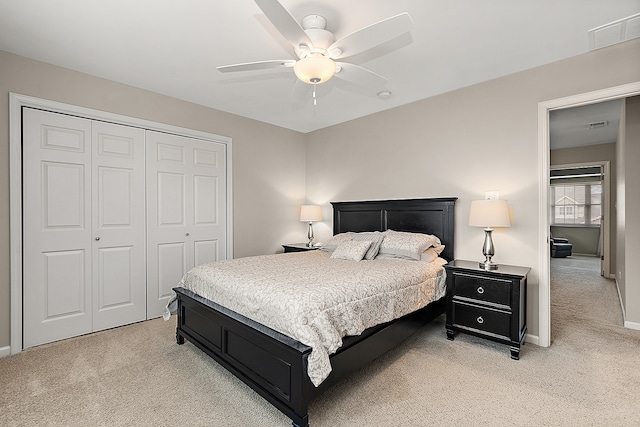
[274,364]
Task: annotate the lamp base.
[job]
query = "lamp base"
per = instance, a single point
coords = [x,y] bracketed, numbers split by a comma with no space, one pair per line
[488,265]
[488,251]
[310,235]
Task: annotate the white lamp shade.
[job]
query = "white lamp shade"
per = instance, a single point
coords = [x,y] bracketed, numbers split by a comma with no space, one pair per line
[314,69]
[489,213]
[310,213]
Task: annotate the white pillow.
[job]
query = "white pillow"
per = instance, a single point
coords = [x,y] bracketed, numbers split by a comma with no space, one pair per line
[407,245]
[333,243]
[352,250]
[430,254]
[438,248]
[375,237]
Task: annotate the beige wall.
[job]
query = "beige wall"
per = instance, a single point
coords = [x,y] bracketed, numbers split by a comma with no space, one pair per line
[463,143]
[590,154]
[628,274]
[584,240]
[460,144]
[268,161]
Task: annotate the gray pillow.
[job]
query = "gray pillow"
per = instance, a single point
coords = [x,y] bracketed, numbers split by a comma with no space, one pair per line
[333,243]
[351,250]
[375,237]
[407,245]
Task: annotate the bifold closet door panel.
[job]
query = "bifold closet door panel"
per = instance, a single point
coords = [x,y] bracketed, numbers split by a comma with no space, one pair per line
[57,294]
[186,211]
[118,219]
[84,262]
[209,202]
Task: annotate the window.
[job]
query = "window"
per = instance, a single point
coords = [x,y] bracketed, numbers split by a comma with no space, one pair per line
[576,204]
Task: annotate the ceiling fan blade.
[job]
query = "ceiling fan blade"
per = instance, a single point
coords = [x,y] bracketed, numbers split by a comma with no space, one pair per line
[301,94]
[371,36]
[284,22]
[259,65]
[360,76]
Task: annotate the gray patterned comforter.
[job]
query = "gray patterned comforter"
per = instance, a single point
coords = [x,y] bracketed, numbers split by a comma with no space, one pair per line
[318,300]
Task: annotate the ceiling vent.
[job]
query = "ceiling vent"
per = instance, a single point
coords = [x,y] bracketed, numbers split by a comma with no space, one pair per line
[614,32]
[596,125]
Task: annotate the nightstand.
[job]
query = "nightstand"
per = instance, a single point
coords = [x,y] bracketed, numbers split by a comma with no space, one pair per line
[491,304]
[298,247]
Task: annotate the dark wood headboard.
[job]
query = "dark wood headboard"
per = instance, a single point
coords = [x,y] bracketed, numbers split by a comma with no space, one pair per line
[430,216]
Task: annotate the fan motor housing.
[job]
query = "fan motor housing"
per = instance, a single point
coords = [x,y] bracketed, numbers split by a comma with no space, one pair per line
[313,21]
[321,39]
[314,27]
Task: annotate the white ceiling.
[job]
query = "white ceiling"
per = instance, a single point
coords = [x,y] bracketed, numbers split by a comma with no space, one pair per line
[571,127]
[173,47]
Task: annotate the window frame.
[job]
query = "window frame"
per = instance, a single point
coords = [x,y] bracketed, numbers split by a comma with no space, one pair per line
[587,205]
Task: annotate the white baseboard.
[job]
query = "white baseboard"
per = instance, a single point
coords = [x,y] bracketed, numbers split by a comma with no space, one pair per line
[533,339]
[627,324]
[624,315]
[632,325]
[5,351]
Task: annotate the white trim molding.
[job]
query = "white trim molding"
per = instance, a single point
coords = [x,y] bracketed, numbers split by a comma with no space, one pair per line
[532,339]
[5,351]
[16,103]
[624,314]
[544,298]
[632,325]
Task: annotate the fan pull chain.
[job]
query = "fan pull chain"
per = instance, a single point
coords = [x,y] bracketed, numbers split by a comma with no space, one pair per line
[315,100]
[315,81]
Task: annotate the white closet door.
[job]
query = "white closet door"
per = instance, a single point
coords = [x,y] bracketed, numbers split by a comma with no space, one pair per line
[56,227]
[186,211]
[118,211]
[208,224]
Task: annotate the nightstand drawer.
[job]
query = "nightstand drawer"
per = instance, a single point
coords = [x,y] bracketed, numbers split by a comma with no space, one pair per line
[492,290]
[495,322]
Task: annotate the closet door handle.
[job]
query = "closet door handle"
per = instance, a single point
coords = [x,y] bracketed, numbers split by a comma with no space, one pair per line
[186,234]
[97,238]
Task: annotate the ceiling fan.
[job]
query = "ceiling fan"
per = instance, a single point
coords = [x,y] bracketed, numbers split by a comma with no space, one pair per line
[317,49]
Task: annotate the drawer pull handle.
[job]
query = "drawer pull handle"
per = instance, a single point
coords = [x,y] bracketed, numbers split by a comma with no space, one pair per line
[480,290]
[480,320]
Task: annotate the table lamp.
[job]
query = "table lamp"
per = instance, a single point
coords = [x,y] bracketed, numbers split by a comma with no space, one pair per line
[310,213]
[488,214]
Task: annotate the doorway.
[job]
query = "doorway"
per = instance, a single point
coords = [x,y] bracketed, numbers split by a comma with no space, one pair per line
[544,109]
[583,298]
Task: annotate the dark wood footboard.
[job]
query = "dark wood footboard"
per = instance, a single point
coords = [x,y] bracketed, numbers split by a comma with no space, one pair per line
[272,364]
[275,365]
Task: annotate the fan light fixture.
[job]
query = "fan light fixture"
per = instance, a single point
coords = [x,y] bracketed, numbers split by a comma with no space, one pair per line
[314,68]
[316,48]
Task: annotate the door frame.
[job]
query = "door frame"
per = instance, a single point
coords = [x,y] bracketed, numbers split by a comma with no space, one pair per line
[16,103]
[544,290]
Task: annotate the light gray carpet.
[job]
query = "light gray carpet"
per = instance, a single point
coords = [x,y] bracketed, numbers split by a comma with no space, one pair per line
[137,376]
